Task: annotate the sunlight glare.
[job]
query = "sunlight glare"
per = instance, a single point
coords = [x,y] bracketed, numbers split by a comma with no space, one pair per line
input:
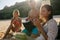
[19,0]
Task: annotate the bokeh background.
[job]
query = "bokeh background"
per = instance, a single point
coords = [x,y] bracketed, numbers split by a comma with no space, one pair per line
[7,7]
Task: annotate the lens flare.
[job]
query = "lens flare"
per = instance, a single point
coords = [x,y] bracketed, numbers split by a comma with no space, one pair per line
[36,0]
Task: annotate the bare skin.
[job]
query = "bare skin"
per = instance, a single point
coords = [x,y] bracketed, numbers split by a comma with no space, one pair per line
[37,24]
[17,24]
[13,28]
[34,17]
[40,28]
[34,13]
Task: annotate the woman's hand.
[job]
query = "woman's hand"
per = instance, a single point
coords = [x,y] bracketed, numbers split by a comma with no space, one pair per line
[1,35]
[37,23]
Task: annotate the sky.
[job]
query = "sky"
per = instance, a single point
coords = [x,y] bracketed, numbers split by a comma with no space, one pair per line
[8,3]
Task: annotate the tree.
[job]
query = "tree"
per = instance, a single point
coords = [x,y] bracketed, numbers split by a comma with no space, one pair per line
[6,13]
[56,6]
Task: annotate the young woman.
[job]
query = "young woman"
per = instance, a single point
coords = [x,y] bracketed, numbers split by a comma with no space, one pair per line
[33,13]
[16,21]
[48,27]
[15,24]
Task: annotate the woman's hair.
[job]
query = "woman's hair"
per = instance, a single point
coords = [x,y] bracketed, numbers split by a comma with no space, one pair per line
[16,10]
[49,8]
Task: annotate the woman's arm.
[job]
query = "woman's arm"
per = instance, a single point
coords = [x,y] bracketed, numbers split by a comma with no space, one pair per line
[11,26]
[8,30]
[52,30]
[40,28]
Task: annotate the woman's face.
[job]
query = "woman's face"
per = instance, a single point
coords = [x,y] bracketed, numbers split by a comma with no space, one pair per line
[44,12]
[16,14]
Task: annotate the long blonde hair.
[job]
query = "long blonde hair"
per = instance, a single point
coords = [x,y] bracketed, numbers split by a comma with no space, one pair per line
[16,10]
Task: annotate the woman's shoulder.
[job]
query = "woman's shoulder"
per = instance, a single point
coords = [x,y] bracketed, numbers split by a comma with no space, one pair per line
[12,19]
[19,18]
[52,21]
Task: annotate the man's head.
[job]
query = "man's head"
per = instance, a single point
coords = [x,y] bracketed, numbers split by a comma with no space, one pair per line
[32,3]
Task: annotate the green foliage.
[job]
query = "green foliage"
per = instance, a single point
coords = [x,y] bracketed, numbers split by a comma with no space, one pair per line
[6,13]
[56,6]
[23,7]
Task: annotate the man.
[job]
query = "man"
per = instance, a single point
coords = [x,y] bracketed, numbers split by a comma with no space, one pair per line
[33,13]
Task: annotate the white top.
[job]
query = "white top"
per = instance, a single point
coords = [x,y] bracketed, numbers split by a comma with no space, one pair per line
[51,28]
